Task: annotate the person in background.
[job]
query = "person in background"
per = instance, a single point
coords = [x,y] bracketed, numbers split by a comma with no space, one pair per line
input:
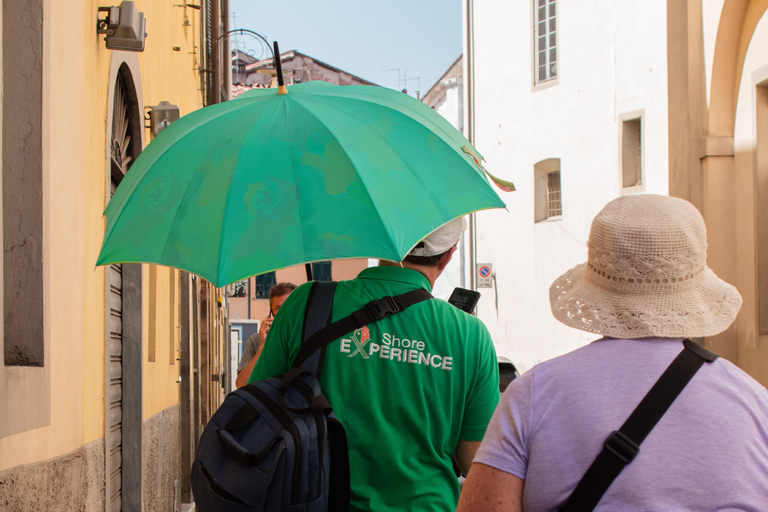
[255,343]
[412,390]
[645,287]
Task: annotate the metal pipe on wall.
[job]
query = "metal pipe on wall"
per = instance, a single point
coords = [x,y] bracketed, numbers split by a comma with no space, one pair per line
[214,95]
[469,118]
[227,51]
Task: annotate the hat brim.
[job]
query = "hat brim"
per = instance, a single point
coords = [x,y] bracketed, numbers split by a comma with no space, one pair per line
[706,307]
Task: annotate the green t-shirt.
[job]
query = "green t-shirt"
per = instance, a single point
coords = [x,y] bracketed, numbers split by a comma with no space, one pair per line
[406,388]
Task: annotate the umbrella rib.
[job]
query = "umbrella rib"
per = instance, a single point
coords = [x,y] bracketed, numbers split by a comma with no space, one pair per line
[226,202]
[416,123]
[437,123]
[341,146]
[256,125]
[181,135]
[295,180]
[405,164]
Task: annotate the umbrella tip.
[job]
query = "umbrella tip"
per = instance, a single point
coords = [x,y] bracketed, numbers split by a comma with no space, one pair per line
[279,69]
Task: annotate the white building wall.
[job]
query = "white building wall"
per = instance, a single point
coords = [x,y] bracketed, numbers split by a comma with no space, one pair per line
[455,274]
[611,62]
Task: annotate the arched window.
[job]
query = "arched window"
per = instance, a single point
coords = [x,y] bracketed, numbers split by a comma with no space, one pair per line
[123,313]
[125,143]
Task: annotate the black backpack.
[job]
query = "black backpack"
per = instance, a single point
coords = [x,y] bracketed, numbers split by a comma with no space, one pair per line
[275,444]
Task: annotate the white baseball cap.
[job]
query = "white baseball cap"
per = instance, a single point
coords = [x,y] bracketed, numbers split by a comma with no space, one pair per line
[441,239]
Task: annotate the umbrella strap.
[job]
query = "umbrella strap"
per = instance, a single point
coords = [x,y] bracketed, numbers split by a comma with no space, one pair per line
[622,445]
[368,314]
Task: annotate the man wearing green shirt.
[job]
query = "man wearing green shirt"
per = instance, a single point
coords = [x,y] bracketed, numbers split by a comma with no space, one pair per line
[412,390]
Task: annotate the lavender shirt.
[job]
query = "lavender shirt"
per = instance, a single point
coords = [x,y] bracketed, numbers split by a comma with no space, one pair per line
[708,452]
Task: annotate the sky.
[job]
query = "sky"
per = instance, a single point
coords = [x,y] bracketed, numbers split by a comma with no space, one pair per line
[368,39]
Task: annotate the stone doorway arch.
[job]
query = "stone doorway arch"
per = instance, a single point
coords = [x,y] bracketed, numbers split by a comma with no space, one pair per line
[123,297]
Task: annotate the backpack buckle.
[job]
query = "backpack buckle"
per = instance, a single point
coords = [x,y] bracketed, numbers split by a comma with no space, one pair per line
[382,307]
[622,447]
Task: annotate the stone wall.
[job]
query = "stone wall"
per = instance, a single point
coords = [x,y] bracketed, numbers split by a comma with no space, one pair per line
[161,462]
[74,481]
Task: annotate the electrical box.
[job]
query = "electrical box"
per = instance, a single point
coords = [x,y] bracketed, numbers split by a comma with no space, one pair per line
[162,115]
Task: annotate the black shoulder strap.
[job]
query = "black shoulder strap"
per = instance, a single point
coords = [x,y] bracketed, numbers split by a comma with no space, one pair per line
[317,315]
[368,314]
[622,445]
[310,356]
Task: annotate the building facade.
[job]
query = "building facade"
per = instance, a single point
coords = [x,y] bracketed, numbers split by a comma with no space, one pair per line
[297,68]
[646,97]
[108,372]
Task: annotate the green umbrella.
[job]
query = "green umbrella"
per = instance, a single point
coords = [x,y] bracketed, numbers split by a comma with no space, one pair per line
[285,176]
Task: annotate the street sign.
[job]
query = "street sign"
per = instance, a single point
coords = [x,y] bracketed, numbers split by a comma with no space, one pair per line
[484,275]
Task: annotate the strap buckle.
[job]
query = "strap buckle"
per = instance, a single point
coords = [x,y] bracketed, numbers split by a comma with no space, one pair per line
[382,307]
[622,447]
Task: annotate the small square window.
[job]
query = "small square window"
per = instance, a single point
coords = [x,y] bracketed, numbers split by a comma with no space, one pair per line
[321,271]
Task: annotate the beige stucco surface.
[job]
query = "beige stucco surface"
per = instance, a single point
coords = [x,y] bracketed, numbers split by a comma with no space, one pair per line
[76,71]
[753,355]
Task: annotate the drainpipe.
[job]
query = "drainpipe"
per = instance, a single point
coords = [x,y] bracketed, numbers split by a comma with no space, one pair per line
[214,65]
[227,52]
[469,119]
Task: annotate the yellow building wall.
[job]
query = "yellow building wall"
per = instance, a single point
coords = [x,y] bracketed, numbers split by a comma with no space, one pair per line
[166,75]
[161,388]
[76,70]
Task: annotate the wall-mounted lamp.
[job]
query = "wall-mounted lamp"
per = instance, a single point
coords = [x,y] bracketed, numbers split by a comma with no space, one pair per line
[124,26]
[161,116]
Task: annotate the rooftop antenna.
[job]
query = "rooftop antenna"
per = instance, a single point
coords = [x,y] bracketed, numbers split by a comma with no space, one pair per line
[397,86]
[418,85]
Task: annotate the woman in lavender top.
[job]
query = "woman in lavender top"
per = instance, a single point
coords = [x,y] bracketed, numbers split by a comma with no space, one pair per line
[644,288]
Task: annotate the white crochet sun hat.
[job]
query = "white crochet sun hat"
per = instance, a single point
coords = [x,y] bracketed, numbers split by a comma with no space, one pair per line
[646,275]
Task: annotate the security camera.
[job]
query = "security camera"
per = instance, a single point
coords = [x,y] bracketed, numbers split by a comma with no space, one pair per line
[124,26]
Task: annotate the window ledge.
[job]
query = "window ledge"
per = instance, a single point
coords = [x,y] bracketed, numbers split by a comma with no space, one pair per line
[545,85]
[637,189]
[549,219]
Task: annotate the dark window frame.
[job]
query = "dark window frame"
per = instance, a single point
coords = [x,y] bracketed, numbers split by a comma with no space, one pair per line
[263,284]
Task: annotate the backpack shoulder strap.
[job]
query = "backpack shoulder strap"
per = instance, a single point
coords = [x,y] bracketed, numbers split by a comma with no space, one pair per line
[317,315]
[312,349]
[368,314]
[622,445]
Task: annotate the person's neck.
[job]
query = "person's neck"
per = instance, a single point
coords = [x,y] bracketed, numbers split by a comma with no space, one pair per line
[431,273]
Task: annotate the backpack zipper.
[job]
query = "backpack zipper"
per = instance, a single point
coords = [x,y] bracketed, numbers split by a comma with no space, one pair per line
[287,424]
[306,391]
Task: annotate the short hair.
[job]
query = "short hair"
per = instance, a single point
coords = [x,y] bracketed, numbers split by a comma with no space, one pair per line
[425,261]
[279,290]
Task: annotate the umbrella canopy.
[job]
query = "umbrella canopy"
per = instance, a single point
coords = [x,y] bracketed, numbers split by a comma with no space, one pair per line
[279,177]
